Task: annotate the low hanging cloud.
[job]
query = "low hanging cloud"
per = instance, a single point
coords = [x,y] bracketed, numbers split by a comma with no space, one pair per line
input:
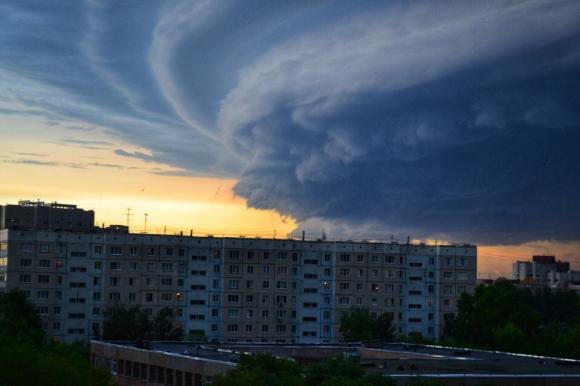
[455,120]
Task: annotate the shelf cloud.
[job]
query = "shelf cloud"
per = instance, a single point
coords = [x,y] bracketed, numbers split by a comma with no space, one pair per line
[456,120]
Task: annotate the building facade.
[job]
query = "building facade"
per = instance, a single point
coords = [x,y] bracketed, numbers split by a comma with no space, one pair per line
[545,271]
[47,216]
[234,289]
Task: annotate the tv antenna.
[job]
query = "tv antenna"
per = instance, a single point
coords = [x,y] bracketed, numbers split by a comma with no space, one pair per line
[128,214]
[145,229]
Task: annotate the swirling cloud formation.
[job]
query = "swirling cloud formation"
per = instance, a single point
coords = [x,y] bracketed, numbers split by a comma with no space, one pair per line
[441,119]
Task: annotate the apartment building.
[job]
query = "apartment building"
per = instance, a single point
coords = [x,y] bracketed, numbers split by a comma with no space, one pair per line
[545,271]
[234,289]
[49,216]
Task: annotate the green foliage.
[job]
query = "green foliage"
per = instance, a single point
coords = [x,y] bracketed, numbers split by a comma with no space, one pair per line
[133,324]
[503,317]
[163,326]
[25,359]
[55,365]
[19,321]
[358,325]
[343,372]
[262,370]
[265,370]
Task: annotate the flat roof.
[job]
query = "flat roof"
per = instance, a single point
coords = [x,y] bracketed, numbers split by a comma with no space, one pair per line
[396,359]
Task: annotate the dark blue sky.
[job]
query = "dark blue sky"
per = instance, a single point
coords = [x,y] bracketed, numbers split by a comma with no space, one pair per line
[454,120]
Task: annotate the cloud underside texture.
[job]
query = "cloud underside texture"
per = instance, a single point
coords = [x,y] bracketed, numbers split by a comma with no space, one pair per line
[456,120]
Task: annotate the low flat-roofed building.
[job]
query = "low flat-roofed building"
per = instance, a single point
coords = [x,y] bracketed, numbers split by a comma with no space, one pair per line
[185,364]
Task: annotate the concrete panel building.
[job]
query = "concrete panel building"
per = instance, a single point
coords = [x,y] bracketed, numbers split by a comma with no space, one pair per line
[233,289]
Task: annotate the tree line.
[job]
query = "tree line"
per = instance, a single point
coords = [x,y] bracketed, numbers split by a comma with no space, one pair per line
[504,317]
[28,358]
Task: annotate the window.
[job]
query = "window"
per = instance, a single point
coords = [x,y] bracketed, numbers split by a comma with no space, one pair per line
[448,275]
[265,284]
[151,267]
[27,248]
[232,328]
[282,285]
[26,262]
[114,296]
[233,298]
[166,281]
[42,310]
[167,267]
[282,256]
[43,295]
[344,300]
[44,248]
[116,265]
[345,258]
[344,286]
[43,279]
[282,270]
[234,314]
[233,284]
[114,281]
[133,265]
[166,297]
[115,251]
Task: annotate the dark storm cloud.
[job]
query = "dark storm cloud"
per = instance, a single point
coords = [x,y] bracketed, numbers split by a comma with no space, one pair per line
[456,120]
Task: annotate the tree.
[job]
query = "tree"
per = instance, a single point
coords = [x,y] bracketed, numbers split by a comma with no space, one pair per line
[126,324]
[163,325]
[503,317]
[26,359]
[262,370]
[134,324]
[343,372]
[359,325]
[18,319]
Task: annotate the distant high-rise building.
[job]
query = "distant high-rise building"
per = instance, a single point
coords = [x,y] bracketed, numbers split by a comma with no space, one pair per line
[544,271]
[46,216]
[234,289]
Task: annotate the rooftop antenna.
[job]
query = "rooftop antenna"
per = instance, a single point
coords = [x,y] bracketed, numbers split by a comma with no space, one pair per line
[274,233]
[128,214]
[145,230]
[164,229]
[323,234]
